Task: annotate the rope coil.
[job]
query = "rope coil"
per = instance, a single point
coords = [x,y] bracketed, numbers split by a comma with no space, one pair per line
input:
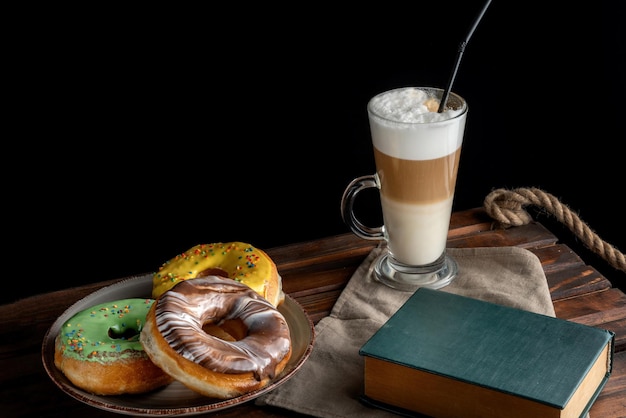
[507,208]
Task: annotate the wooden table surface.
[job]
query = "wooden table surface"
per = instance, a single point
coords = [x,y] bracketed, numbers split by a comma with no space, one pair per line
[314,274]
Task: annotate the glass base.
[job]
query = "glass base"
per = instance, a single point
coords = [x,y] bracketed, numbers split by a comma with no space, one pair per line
[403,277]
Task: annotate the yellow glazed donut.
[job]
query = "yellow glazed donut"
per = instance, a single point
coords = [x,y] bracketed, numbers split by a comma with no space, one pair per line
[98,349]
[235,260]
[253,348]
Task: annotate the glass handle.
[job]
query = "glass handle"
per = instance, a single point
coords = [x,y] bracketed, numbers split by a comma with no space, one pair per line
[347,204]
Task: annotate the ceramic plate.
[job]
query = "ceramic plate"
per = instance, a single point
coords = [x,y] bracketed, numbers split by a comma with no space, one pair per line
[174,399]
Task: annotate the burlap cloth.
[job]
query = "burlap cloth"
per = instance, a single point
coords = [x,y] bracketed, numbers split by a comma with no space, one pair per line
[330,383]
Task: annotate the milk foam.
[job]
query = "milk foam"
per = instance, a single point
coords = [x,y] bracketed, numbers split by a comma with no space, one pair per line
[402,126]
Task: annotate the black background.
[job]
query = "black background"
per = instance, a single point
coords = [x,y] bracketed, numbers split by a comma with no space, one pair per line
[138,134]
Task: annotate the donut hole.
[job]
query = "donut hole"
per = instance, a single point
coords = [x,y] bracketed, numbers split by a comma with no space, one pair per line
[125,334]
[228,330]
[213,271]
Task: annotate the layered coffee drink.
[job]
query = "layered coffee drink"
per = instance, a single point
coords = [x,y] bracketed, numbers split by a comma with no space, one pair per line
[417,152]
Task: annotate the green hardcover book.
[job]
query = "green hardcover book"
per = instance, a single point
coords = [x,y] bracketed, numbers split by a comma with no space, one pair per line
[445,355]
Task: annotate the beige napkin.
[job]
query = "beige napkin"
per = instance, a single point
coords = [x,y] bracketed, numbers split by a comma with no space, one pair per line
[330,382]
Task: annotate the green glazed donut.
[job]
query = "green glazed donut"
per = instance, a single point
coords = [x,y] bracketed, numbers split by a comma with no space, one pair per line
[98,349]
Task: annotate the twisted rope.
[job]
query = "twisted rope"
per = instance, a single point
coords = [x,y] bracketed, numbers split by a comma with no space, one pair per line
[507,208]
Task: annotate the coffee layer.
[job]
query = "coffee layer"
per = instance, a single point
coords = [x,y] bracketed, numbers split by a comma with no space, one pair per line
[417,181]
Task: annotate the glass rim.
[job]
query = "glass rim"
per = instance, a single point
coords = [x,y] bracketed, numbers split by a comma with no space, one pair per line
[463,106]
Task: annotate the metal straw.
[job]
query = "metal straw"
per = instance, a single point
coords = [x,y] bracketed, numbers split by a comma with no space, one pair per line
[459,54]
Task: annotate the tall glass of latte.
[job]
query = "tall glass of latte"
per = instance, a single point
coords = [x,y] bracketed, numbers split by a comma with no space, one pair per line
[417,151]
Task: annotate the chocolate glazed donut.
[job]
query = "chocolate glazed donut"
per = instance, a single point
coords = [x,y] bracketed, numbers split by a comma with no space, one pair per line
[217,336]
